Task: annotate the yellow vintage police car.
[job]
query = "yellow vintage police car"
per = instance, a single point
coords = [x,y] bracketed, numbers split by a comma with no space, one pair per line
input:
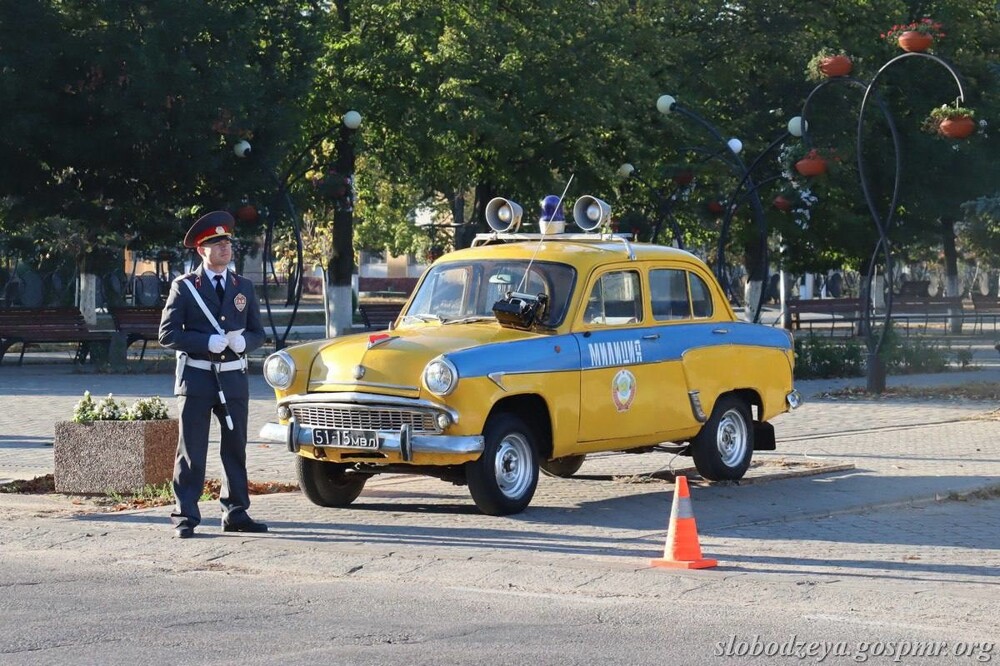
[527,352]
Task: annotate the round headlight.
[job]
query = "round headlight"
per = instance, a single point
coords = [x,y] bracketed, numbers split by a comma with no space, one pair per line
[440,376]
[279,370]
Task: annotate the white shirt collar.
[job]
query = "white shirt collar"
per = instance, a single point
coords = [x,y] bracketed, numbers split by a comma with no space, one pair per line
[210,274]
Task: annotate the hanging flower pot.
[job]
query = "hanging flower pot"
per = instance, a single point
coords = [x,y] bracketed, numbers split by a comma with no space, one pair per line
[811,165]
[837,65]
[957,128]
[782,204]
[915,42]
[951,121]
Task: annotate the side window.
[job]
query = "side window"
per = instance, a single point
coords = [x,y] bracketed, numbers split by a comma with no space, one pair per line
[701,297]
[669,294]
[615,300]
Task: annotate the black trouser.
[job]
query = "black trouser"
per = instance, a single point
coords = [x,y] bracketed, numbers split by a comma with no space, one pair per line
[192,452]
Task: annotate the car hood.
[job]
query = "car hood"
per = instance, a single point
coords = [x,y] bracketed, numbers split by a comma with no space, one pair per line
[392,362]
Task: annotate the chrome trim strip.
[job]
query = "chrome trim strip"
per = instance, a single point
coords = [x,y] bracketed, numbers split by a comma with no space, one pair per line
[349,398]
[318,383]
[497,378]
[696,409]
[388,441]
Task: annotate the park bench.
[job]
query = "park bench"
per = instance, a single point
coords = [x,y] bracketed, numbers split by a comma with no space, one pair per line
[378,316]
[33,326]
[840,314]
[139,324]
[925,310]
[984,307]
[388,287]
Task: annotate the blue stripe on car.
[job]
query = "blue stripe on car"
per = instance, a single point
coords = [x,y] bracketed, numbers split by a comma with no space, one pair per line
[611,347]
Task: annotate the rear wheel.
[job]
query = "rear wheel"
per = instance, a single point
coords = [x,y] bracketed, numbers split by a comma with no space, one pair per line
[504,478]
[564,467]
[723,448]
[328,484]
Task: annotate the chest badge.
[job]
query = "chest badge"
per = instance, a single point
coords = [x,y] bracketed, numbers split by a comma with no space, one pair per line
[240,302]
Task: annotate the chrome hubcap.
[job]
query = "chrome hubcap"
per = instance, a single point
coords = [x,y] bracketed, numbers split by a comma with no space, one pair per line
[512,466]
[731,438]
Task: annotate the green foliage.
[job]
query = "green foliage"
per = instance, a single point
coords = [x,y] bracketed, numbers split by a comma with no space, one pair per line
[143,409]
[945,111]
[818,357]
[914,355]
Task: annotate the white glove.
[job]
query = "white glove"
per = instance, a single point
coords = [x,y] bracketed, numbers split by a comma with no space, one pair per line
[217,343]
[236,341]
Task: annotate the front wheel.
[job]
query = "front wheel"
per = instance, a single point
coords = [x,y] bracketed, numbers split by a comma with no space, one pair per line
[724,446]
[328,484]
[503,480]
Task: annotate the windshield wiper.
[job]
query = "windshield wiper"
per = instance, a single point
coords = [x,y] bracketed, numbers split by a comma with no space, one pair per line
[422,317]
[469,320]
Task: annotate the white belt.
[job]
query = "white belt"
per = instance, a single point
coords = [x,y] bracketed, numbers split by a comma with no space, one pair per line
[226,366]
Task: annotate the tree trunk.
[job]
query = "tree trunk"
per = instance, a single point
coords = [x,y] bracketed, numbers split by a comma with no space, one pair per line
[341,265]
[87,297]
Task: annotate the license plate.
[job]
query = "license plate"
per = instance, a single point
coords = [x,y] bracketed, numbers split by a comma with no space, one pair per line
[348,439]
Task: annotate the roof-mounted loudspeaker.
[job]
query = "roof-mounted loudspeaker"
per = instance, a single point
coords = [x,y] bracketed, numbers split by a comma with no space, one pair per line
[503,215]
[591,213]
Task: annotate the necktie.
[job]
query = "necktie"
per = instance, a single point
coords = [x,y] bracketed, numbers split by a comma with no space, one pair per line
[219,289]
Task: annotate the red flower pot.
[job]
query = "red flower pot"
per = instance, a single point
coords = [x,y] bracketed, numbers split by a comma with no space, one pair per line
[811,166]
[837,65]
[715,207]
[782,204]
[957,128]
[915,42]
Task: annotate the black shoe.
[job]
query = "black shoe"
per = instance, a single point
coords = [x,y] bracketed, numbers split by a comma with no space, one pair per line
[183,531]
[248,525]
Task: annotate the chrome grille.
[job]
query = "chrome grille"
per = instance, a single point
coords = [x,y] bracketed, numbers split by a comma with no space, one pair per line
[358,417]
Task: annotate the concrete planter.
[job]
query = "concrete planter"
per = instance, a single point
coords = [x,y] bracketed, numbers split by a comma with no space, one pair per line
[113,456]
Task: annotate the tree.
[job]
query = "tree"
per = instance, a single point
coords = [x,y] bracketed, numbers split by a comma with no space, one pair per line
[118,118]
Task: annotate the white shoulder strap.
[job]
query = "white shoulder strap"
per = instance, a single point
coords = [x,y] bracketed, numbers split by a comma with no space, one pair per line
[204,308]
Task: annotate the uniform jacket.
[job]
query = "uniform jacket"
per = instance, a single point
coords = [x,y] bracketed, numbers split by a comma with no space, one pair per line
[184,327]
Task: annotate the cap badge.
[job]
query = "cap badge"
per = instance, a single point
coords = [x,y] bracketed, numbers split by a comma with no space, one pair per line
[220,230]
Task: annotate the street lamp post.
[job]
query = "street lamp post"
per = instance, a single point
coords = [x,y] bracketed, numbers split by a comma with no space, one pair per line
[343,229]
[667,104]
[664,204]
[876,379]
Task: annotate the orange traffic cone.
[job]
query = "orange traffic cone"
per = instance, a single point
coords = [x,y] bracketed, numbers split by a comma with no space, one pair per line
[682,550]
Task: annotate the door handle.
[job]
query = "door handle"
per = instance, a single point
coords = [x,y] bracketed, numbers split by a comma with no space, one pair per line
[651,336]
[720,331]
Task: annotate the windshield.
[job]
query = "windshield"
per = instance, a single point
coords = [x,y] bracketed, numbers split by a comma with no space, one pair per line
[464,291]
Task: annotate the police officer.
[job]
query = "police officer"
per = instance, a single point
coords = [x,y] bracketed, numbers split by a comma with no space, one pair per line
[212,319]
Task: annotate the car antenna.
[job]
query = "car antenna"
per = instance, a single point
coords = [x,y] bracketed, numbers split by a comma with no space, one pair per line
[524,278]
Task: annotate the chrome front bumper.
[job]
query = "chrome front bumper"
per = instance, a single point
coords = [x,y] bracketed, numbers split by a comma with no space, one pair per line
[294,436]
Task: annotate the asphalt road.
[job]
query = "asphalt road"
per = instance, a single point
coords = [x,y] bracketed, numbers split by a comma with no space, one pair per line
[113,590]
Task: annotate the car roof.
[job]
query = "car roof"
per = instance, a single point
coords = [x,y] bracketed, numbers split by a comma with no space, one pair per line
[579,253]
